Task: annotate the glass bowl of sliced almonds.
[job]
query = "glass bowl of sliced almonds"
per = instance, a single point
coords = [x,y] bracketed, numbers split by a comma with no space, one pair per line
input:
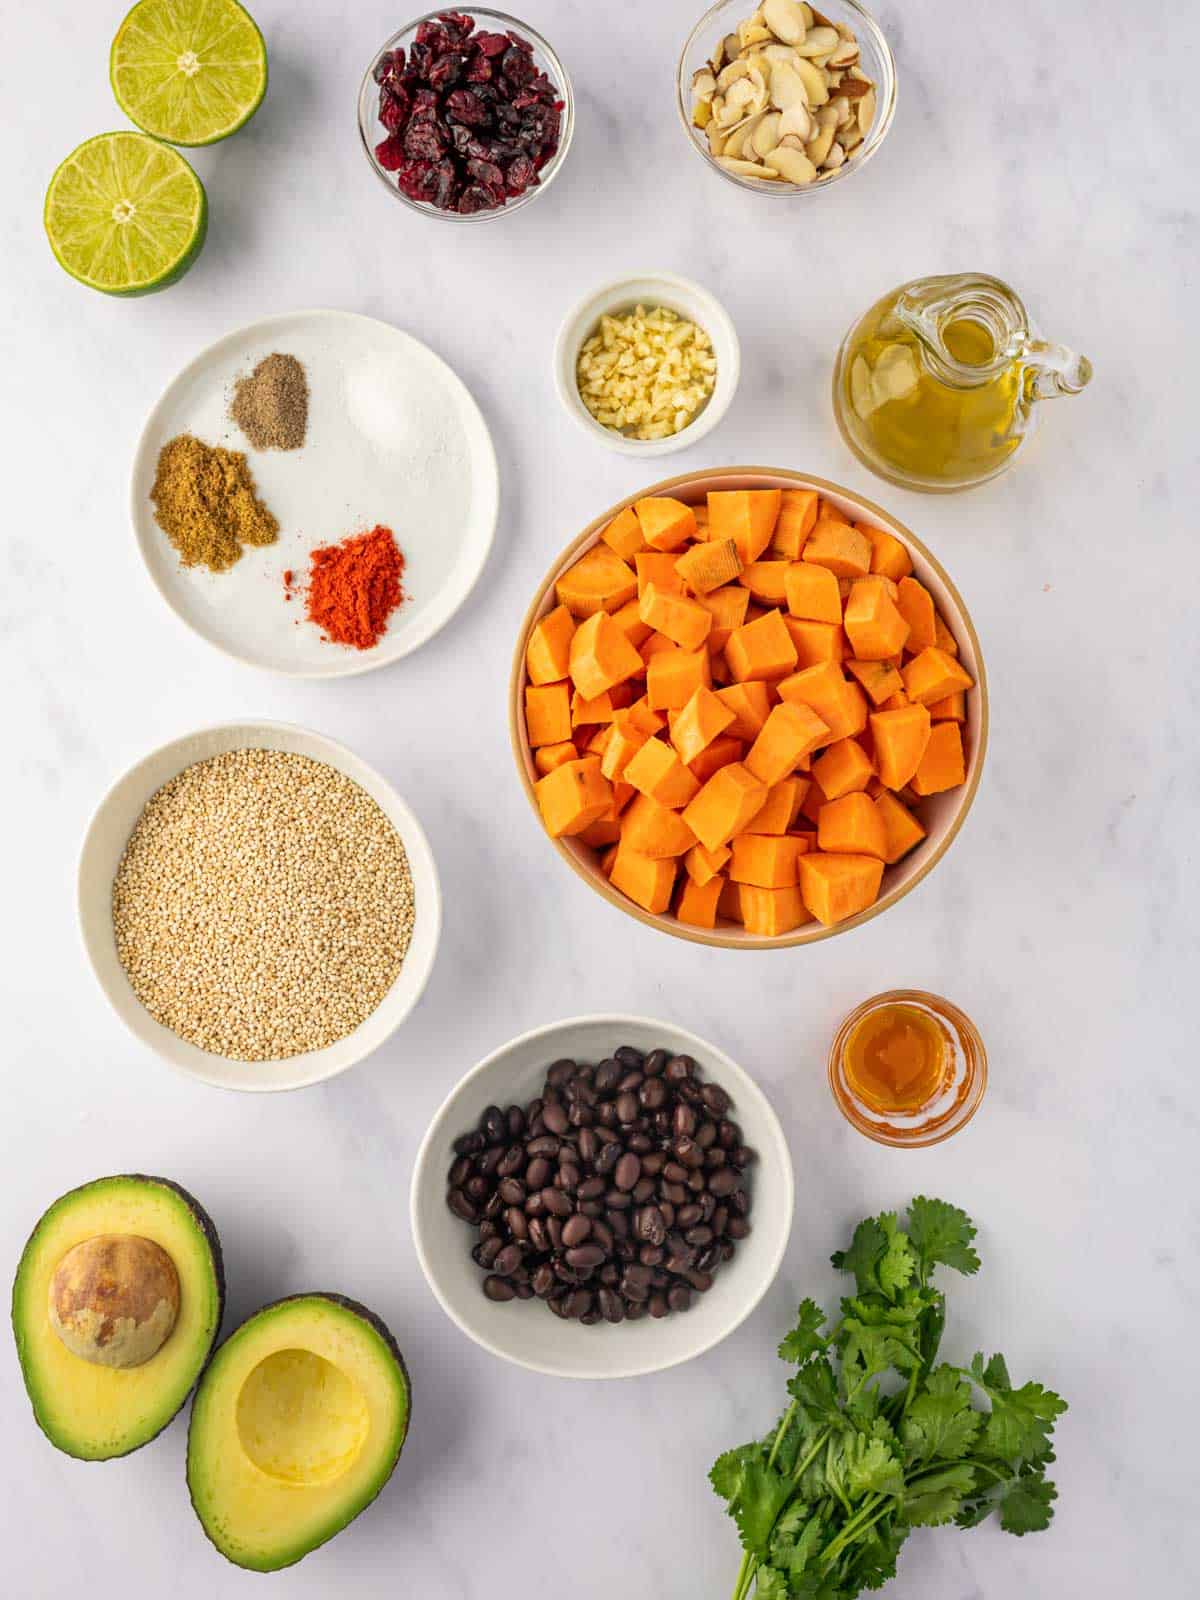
[783,97]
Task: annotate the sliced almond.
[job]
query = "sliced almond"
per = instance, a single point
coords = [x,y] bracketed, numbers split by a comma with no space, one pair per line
[785,18]
[816,91]
[745,169]
[716,139]
[819,146]
[866,111]
[792,165]
[853,88]
[791,141]
[735,138]
[807,13]
[798,120]
[819,42]
[731,45]
[846,54]
[779,52]
[702,113]
[841,106]
[766,134]
[850,137]
[750,33]
[704,84]
[788,86]
[733,73]
[835,159]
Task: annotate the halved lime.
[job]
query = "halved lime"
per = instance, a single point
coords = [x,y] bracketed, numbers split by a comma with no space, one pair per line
[126,214]
[189,71]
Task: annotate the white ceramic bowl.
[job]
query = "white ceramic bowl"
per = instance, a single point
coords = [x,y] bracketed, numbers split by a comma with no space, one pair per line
[104,845]
[524,1331]
[649,289]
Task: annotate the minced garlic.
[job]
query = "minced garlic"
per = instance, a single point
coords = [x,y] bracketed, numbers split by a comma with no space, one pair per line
[646,373]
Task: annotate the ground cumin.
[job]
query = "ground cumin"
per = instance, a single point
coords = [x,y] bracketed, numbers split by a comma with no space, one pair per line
[270,406]
[205,503]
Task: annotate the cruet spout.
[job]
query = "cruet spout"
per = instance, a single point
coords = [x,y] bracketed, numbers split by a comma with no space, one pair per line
[1052,369]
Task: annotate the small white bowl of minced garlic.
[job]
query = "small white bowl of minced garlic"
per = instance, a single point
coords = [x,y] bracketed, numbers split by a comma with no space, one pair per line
[647,364]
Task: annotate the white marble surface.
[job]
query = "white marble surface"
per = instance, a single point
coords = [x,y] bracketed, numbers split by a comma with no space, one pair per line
[1061,919]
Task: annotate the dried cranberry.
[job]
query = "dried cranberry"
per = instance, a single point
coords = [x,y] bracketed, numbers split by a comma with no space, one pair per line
[418,180]
[432,36]
[521,173]
[425,100]
[447,69]
[486,172]
[466,106]
[521,43]
[479,70]
[491,44]
[421,57]
[475,198]
[393,108]
[383,67]
[424,140]
[390,154]
[448,187]
[517,67]
[458,24]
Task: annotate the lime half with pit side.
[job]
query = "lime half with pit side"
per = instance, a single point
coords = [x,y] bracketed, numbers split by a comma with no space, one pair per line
[126,214]
[189,71]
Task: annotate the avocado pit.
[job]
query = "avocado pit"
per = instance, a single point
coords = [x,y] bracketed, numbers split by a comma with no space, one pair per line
[114,1299]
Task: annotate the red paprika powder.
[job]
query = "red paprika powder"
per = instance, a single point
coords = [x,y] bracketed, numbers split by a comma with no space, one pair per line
[354,587]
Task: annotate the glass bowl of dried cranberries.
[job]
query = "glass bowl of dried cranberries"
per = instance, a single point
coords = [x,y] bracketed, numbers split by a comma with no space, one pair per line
[466,114]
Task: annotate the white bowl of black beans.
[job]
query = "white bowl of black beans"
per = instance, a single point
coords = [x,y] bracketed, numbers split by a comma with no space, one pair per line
[602,1197]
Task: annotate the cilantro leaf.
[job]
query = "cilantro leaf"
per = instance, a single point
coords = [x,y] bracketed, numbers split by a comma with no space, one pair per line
[863,1256]
[1021,1422]
[936,1497]
[940,1422]
[797,1538]
[941,1233]
[805,1338]
[993,1374]
[1028,1506]
[875,1557]
[898,1265]
[756,1494]
[814,1389]
[770,1584]
[871,1468]
[726,1472]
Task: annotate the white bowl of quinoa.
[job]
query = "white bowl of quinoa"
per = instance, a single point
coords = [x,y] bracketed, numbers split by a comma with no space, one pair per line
[259,906]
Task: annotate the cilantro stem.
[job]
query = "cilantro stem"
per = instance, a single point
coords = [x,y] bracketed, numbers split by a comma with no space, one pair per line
[873,1509]
[749,1564]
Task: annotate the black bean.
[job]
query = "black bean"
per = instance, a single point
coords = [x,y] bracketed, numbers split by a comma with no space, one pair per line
[737,1228]
[591,1189]
[678,1297]
[559,1072]
[588,1144]
[627,1171]
[492,1125]
[617,1221]
[715,1098]
[486,1252]
[688,1153]
[706,1134]
[534,1206]
[635,1284]
[586,1257]
[581,1116]
[699,1235]
[545,1145]
[508,1260]
[634,1311]
[713,1159]
[606,1115]
[609,1274]
[604,1235]
[556,1203]
[607,1075]
[644,1189]
[653,1093]
[511,1162]
[468,1143]
[568,1178]
[488,1230]
[514,1117]
[674,1173]
[679,1068]
[629,1058]
[654,1063]
[523,1291]
[688,1216]
[739,1203]
[511,1191]
[579,1301]
[612,1308]
[640,1143]
[718,1219]
[555,1119]
[653,1163]
[498,1289]
[518,1222]
[708,1259]
[543,1280]
[668,1212]
[627,1107]
[658,1305]
[727,1136]
[589,1208]
[743,1156]
[575,1230]
[607,1159]
[554,1229]
[722,1182]
[674,1192]
[702,1282]
[649,1226]
[618,1200]
[537,1173]
[459,1173]
[461,1206]
[558,1304]
[651,1255]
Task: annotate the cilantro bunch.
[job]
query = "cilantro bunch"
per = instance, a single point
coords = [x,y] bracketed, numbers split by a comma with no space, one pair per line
[879,1440]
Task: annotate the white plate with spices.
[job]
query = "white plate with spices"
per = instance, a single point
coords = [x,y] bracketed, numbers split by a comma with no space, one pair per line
[392,438]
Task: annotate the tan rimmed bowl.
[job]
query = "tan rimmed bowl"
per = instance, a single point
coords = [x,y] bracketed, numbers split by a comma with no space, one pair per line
[942,815]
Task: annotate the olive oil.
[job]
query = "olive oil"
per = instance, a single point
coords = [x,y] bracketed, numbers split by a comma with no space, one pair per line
[935,386]
[896,1056]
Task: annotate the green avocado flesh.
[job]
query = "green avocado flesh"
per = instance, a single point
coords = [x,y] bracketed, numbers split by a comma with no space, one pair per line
[296,1427]
[97,1412]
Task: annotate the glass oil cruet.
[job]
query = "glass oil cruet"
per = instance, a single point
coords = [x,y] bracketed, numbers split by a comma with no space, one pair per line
[936,387]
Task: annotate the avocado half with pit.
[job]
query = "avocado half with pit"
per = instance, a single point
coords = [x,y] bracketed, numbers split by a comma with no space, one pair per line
[116,1306]
[296,1426]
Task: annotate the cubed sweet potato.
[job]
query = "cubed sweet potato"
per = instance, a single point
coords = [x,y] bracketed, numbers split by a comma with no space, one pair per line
[673,676]
[770,913]
[761,650]
[838,546]
[843,768]
[685,622]
[547,713]
[624,534]
[916,607]
[647,881]
[840,704]
[797,515]
[789,733]
[873,623]
[766,860]
[599,581]
[851,826]
[899,738]
[548,653]
[747,516]
[572,796]
[725,805]
[932,675]
[835,887]
[666,523]
[943,763]
[889,557]
[601,656]
[703,864]
[901,830]
[812,593]
[697,903]
[656,770]
[654,830]
[709,566]
[698,724]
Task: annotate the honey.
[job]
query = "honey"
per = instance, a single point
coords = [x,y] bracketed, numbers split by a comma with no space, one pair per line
[895,1057]
[908,1068]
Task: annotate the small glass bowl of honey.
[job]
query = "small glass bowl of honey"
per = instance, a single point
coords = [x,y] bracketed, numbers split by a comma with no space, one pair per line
[908,1068]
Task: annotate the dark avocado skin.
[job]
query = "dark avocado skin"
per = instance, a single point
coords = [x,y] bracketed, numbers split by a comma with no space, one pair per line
[356,1308]
[207,1227]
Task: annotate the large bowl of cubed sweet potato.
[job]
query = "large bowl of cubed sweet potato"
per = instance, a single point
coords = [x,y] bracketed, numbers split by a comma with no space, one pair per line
[749,707]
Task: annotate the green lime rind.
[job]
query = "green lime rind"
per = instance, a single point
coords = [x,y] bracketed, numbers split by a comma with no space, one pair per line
[188,71]
[125,214]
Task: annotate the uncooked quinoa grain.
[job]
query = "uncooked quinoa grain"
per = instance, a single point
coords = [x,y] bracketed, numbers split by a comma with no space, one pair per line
[263,906]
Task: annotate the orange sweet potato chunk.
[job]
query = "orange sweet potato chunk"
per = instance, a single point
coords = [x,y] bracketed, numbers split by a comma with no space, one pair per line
[548,653]
[549,756]
[699,723]
[782,806]
[629,619]
[952,709]
[653,830]
[840,704]
[657,567]
[666,523]
[656,770]
[873,623]
[933,675]
[815,641]
[761,650]
[685,622]
[547,713]
[889,558]
[900,738]
[647,881]
[901,830]
[766,581]
[729,606]
[729,906]
[602,709]
[766,860]
[812,593]
[600,834]
[698,902]
[835,887]
[626,740]
[789,733]
[769,913]
[725,805]
[674,675]
[599,581]
[624,534]
[839,547]
[916,607]
[750,703]
[573,796]
[851,826]
[844,768]
[943,764]
[716,755]
[710,566]
[704,865]
[601,656]
[747,516]
[797,515]
[879,678]
[942,637]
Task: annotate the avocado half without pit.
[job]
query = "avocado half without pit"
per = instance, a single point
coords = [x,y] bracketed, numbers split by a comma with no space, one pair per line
[296,1426]
[116,1307]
